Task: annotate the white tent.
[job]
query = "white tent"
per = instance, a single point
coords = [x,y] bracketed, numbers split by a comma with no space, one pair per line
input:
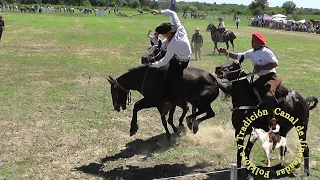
[278,19]
[278,16]
[302,21]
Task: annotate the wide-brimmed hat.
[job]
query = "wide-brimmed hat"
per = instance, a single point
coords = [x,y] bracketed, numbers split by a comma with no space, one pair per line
[165,28]
[220,18]
[273,119]
[197,29]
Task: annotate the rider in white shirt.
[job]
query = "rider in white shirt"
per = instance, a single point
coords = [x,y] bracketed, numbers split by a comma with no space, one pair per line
[178,53]
[221,27]
[275,128]
[264,62]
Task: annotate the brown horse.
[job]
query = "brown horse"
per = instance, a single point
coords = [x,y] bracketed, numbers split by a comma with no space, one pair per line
[245,104]
[198,87]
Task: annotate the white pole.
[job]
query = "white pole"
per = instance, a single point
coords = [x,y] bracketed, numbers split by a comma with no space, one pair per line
[234,172]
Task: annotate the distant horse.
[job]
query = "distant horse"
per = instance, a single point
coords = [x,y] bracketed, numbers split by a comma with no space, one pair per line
[226,37]
[245,104]
[198,87]
[267,145]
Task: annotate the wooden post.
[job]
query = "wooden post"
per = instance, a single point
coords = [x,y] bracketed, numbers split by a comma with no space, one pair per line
[234,172]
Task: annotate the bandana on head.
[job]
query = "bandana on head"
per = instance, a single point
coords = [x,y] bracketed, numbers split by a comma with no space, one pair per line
[259,37]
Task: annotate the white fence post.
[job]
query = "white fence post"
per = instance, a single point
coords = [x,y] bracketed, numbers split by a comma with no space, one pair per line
[233,172]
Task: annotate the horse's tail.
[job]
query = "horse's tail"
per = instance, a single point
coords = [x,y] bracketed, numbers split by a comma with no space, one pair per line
[312,99]
[232,35]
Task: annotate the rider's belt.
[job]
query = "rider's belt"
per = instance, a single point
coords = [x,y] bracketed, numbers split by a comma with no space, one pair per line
[182,60]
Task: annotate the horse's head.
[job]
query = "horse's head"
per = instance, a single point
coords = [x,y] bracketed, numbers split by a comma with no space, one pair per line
[119,94]
[211,27]
[231,70]
[254,135]
[153,54]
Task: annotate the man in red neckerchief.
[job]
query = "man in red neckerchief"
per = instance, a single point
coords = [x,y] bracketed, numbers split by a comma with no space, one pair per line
[265,63]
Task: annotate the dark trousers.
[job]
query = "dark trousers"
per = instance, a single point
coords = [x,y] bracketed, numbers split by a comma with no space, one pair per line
[268,84]
[174,74]
[237,25]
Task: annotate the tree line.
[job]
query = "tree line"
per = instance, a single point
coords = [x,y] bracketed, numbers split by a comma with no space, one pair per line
[256,7]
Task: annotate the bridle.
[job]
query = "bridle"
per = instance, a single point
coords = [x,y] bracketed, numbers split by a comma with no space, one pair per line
[153,58]
[117,85]
[240,70]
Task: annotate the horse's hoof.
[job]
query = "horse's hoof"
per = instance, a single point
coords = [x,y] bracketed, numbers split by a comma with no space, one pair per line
[133,130]
[195,127]
[182,129]
[189,122]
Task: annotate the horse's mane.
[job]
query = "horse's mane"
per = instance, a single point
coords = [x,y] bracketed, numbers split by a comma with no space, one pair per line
[136,68]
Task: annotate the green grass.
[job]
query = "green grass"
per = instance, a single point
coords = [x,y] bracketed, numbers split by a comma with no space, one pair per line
[56,108]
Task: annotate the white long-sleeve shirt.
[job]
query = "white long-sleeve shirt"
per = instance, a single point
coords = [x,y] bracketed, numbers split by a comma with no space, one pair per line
[260,57]
[276,130]
[221,25]
[179,44]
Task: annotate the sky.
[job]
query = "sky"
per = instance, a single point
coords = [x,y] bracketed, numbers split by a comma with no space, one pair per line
[272,3]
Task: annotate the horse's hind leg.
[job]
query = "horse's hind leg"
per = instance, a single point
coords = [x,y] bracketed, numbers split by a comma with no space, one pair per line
[306,157]
[190,119]
[209,113]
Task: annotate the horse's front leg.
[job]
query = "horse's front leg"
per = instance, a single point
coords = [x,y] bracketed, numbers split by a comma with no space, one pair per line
[216,47]
[141,104]
[268,157]
[164,121]
[170,118]
[227,43]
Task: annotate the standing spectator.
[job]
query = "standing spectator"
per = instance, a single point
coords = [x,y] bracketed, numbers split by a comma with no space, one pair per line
[154,40]
[197,39]
[1,26]
[237,22]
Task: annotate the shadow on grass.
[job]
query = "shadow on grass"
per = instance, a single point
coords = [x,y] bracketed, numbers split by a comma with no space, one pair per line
[137,173]
[155,144]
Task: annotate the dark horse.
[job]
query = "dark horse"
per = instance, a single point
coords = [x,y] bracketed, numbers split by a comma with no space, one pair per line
[226,37]
[182,104]
[198,87]
[244,101]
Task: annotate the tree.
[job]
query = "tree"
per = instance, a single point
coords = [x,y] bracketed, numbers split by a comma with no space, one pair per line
[289,7]
[258,6]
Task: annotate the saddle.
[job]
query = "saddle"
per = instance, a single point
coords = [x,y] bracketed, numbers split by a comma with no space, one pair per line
[274,138]
[280,93]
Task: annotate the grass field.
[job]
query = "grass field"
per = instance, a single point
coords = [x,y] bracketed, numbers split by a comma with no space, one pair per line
[56,109]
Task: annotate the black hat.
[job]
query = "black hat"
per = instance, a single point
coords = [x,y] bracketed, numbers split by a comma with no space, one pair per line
[165,28]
